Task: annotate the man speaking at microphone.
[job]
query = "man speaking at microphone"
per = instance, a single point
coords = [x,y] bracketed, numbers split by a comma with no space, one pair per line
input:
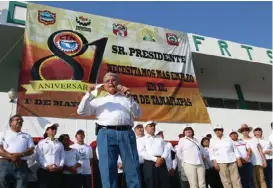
[115,114]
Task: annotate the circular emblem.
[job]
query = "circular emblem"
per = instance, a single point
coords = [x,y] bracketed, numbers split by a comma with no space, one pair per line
[68,42]
[173,39]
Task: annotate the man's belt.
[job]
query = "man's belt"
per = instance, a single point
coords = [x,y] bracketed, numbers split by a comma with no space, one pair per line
[115,127]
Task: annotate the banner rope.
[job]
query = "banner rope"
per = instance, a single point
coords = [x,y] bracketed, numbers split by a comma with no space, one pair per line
[11,49]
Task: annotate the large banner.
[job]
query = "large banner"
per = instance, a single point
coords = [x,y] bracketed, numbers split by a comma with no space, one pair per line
[65,50]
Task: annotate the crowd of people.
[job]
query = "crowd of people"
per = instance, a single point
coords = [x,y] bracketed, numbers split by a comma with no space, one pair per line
[216,161]
[133,155]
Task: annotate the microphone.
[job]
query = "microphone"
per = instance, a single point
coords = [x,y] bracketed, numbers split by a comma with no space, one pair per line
[126,93]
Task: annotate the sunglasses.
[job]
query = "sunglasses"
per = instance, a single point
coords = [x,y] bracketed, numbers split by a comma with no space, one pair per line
[218,130]
[258,129]
[53,128]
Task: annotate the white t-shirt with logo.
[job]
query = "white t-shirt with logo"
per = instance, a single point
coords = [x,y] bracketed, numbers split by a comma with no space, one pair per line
[85,152]
[256,158]
[14,142]
[242,146]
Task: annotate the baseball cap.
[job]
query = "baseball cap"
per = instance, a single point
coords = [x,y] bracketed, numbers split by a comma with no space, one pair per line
[232,131]
[138,124]
[50,125]
[149,122]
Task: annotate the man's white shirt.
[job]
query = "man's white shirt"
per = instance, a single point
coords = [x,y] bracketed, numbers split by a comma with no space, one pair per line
[86,154]
[14,142]
[154,147]
[110,109]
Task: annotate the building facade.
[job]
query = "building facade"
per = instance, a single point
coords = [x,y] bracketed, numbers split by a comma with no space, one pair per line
[234,79]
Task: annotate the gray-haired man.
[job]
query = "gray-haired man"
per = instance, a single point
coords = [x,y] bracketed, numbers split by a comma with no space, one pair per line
[114,112]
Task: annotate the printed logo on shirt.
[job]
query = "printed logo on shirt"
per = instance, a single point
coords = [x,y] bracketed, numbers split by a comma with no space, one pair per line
[24,136]
[82,153]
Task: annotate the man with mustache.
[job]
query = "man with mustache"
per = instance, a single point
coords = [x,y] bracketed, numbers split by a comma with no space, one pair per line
[15,146]
[115,114]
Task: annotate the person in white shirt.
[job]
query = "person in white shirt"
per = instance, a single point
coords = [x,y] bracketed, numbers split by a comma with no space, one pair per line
[15,147]
[154,153]
[184,183]
[50,156]
[115,113]
[171,161]
[192,157]
[246,171]
[224,154]
[139,131]
[72,162]
[267,150]
[86,155]
[212,176]
[257,157]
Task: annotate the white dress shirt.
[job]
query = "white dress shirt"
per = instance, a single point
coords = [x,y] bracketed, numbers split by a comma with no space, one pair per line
[223,150]
[72,157]
[171,164]
[50,152]
[86,154]
[140,146]
[154,147]
[14,142]
[110,109]
[191,151]
[266,146]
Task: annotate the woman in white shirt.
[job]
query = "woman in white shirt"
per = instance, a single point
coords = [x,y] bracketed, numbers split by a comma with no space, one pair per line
[224,155]
[192,157]
[257,157]
[212,176]
[50,156]
[72,162]
[267,150]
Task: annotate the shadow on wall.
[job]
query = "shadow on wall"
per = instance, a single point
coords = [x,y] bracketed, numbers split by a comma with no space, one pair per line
[10,54]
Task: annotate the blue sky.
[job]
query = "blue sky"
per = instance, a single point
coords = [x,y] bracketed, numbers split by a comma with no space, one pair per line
[242,22]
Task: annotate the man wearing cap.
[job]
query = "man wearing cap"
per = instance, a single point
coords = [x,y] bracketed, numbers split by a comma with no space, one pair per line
[115,113]
[246,171]
[86,155]
[155,153]
[225,154]
[15,147]
[50,156]
[257,158]
[139,131]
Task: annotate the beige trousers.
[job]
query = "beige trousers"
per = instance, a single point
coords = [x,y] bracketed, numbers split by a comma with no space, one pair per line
[229,174]
[196,175]
[258,177]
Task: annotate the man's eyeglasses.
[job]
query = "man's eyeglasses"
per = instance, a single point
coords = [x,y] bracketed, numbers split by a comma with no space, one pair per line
[18,119]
